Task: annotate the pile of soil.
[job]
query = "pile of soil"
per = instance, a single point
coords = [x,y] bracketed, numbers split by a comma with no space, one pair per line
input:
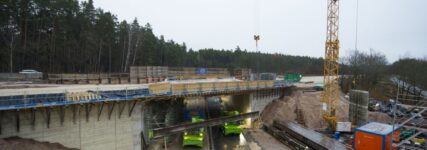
[17,143]
[379,117]
[309,106]
[280,108]
[287,107]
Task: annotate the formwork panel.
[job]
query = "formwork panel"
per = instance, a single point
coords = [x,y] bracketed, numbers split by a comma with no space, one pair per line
[193,87]
[269,83]
[220,85]
[159,88]
[243,85]
[252,84]
[232,85]
[207,86]
[178,88]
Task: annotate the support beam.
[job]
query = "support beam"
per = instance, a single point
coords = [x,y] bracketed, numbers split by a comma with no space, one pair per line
[62,114]
[100,108]
[311,138]
[18,124]
[47,109]
[33,118]
[75,108]
[110,109]
[160,132]
[409,138]
[121,106]
[88,109]
[131,107]
[413,116]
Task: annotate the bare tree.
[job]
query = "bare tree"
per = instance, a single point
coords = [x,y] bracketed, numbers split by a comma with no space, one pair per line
[366,68]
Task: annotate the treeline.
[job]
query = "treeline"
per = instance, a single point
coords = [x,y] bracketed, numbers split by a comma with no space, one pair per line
[371,70]
[68,36]
[413,71]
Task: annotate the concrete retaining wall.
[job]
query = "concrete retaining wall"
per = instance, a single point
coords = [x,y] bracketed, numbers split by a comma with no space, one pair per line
[260,99]
[115,134]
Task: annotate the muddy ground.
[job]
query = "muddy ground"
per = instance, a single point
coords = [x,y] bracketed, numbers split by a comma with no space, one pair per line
[17,143]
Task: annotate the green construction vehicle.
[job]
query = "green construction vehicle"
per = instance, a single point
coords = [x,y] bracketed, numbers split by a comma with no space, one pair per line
[194,137]
[231,128]
[292,77]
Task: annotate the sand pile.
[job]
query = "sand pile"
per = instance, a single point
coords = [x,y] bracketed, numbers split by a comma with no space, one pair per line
[309,105]
[17,143]
[281,108]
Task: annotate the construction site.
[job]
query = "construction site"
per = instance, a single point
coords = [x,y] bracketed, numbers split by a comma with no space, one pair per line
[188,110]
[197,103]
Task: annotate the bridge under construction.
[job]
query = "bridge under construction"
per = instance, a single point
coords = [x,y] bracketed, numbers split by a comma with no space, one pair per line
[124,116]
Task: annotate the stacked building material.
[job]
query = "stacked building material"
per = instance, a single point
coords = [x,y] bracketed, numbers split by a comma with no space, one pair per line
[242,73]
[267,76]
[148,74]
[197,73]
[358,110]
[89,78]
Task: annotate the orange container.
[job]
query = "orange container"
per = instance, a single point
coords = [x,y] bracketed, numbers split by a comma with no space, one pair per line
[375,136]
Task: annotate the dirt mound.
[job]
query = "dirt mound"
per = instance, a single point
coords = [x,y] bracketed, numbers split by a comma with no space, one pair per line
[379,117]
[303,107]
[17,143]
[279,108]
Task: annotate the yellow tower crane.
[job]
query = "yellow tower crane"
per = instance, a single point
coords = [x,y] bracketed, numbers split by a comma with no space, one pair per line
[331,91]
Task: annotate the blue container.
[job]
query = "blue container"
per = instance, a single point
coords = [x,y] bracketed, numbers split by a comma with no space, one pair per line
[337,135]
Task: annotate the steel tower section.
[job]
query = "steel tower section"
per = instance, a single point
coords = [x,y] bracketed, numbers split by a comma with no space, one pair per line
[331,65]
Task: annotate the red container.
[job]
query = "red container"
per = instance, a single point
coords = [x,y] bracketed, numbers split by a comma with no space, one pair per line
[375,136]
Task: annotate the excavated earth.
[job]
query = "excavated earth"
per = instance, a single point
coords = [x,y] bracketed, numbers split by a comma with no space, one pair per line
[17,143]
[304,107]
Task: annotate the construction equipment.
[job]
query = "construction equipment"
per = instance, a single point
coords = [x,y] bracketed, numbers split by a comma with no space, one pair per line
[331,91]
[194,137]
[231,127]
[292,77]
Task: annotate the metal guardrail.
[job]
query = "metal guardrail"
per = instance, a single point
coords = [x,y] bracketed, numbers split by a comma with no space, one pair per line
[27,99]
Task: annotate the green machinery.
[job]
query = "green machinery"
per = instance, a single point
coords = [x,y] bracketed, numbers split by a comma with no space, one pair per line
[292,77]
[406,133]
[194,137]
[231,127]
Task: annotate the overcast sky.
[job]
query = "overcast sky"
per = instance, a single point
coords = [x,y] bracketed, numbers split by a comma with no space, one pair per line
[397,28]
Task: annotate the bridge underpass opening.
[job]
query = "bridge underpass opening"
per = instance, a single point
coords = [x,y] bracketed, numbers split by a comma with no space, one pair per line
[209,107]
[181,110]
[239,103]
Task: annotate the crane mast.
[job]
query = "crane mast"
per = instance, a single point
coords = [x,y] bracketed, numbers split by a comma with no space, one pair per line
[331,91]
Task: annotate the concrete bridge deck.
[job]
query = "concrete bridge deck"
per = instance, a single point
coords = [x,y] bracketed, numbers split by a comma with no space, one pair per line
[24,98]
